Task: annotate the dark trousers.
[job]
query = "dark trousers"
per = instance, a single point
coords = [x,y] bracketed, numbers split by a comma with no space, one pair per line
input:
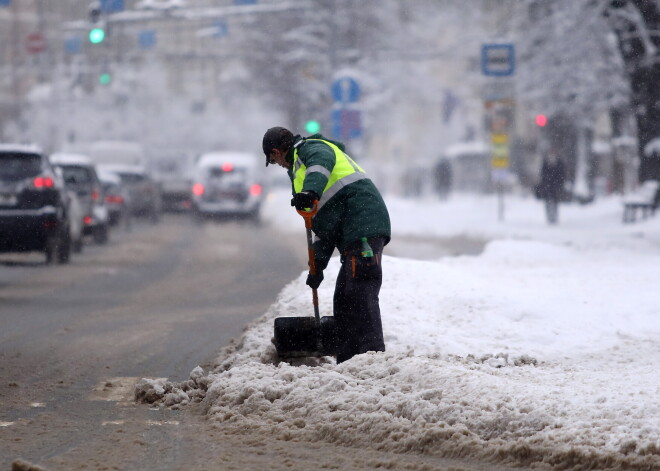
[356,308]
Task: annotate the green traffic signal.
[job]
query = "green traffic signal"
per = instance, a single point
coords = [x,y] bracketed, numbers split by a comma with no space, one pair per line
[96,35]
[105,79]
[312,127]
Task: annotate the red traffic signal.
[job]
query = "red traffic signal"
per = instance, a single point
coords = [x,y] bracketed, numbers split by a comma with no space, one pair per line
[541,120]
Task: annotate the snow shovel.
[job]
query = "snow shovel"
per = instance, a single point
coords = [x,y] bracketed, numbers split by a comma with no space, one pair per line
[306,336]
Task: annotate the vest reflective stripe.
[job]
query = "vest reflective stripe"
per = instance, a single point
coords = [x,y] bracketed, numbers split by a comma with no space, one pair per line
[318,169]
[345,172]
[334,189]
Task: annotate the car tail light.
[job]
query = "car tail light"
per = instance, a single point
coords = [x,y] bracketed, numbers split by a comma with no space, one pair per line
[198,189]
[255,190]
[95,194]
[43,182]
[114,199]
[87,220]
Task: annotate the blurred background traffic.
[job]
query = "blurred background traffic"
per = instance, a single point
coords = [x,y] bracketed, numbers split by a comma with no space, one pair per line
[432,96]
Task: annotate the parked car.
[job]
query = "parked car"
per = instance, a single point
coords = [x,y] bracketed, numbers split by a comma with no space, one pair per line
[33,204]
[116,197]
[143,192]
[227,184]
[80,176]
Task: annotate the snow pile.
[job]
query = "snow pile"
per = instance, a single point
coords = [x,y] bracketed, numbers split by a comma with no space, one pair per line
[533,352]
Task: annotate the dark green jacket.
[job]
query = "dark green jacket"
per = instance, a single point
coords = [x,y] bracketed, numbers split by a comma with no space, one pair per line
[356,211]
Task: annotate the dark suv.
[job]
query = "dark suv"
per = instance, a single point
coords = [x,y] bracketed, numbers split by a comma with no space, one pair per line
[33,204]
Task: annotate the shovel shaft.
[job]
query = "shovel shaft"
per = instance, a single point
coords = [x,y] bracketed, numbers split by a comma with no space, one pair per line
[310,253]
[312,270]
[308,215]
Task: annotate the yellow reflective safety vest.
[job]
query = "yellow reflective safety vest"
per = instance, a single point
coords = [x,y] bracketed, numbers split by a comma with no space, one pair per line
[345,172]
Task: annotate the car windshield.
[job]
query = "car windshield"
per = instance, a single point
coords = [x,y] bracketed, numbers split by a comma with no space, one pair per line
[131,177]
[110,188]
[233,176]
[76,175]
[18,166]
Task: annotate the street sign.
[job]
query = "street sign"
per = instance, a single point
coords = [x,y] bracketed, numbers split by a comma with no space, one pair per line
[245,2]
[498,59]
[346,90]
[73,45]
[35,43]
[147,39]
[346,123]
[500,151]
[4,3]
[498,90]
[112,6]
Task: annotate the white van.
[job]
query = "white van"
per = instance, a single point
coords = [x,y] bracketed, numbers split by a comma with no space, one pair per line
[227,184]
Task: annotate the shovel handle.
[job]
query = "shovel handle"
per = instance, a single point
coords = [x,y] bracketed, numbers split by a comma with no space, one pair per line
[308,216]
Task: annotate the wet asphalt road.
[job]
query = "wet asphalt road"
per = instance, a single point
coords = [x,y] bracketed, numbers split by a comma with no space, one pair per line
[154,302]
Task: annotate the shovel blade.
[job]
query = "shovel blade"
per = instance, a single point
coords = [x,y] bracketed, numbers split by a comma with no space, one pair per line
[305,337]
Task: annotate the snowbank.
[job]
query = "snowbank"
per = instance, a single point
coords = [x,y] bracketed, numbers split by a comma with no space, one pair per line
[540,350]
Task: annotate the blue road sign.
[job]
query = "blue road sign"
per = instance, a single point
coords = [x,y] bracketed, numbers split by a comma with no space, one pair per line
[220,29]
[4,3]
[498,59]
[73,45]
[112,6]
[346,90]
[147,39]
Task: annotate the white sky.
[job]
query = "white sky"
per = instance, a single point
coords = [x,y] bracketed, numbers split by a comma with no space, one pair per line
[544,347]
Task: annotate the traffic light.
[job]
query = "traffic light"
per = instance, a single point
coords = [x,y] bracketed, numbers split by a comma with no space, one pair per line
[96,35]
[105,78]
[312,127]
[541,120]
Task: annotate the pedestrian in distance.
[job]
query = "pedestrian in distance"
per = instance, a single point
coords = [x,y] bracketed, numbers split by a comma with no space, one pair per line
[351,217]
[442,178]
[551,184]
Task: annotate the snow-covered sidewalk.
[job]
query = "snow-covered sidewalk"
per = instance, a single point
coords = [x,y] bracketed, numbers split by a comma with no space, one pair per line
[543,350]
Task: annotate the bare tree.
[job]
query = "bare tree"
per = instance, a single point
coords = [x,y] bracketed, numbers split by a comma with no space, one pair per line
[636,24]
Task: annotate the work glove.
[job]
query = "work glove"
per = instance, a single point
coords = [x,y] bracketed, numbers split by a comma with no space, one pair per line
[304,199]
[314,281]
